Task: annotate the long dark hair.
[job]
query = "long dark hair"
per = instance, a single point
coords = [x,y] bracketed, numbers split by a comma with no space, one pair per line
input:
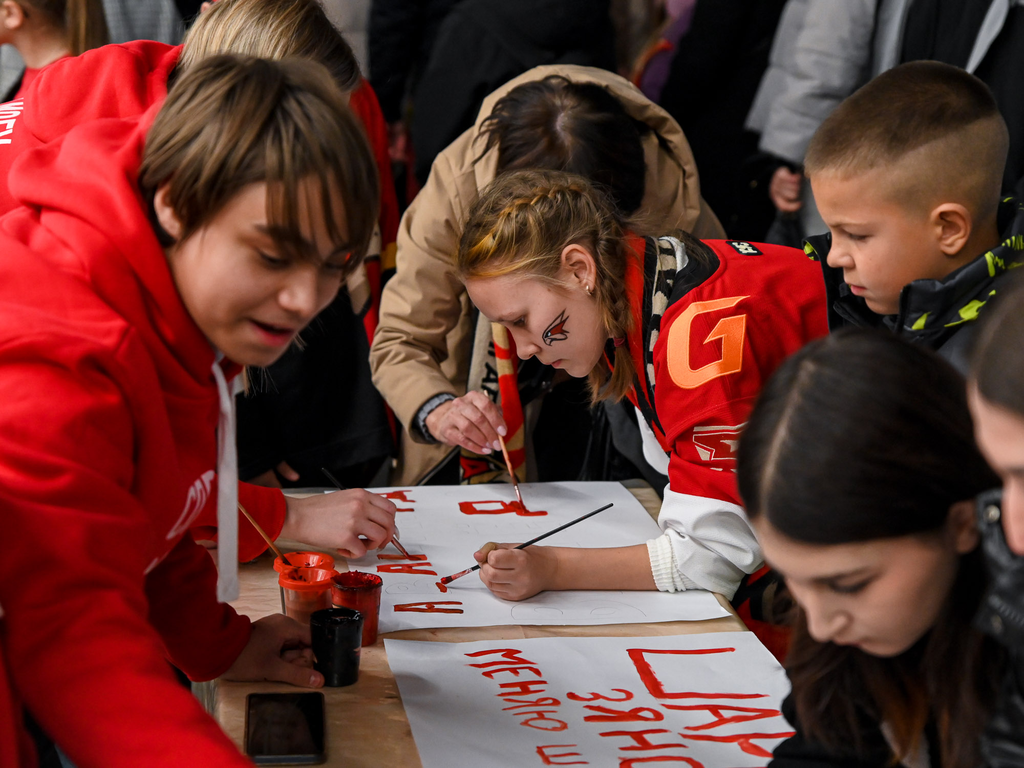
[862,436]
[556,124]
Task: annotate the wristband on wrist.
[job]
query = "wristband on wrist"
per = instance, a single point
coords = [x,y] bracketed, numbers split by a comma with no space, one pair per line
[426,409]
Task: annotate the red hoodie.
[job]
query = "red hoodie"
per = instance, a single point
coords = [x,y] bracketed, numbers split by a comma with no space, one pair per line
[112,81]
[107,453]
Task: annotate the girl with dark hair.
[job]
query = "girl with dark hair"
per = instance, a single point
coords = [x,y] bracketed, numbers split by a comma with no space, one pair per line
[996,395]
[687,330]
[432,357]
[859,483]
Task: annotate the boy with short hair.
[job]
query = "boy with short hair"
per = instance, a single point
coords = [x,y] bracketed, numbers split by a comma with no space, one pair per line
[158,256]
[907,173]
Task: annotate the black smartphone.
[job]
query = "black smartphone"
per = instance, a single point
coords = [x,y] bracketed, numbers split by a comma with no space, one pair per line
[285,728]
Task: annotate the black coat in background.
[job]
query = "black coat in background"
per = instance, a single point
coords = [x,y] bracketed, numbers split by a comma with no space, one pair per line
[483,44]
[711,85]
[401,36]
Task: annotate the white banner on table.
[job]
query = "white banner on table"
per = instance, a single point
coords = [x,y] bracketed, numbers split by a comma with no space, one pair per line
[703,701]
[442,526]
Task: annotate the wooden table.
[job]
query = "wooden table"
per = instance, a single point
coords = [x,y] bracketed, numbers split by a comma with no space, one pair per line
[366,723]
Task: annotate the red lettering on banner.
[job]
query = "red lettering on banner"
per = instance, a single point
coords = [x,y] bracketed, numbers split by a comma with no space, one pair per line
[541,716]
[525,688]
[402,557]
[752,713]
[642,742]
[534,711]
[429,607]
[514,671]
[623,763]
[502,508]
[553,759]
[609,715]
[657,688]
[400,496]
[743,740]
[422,569]
[543,701]
[507,655]
[626,696]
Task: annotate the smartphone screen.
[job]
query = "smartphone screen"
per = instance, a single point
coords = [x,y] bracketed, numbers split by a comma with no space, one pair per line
[285,728]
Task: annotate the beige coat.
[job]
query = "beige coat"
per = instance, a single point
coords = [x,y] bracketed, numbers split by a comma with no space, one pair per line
[423,343]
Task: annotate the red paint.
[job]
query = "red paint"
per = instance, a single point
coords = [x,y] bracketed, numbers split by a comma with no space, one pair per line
[657,688]
[541,716]
[441,586]
[524,688]
[361,592]
[753,713]
[541,701]
[416,558]
[514,671]
[507,655]
[626,696]
[305,590]
[400,496]
[422,570]
[661,759]
[547,759]
[502,508]
[642,742]
[428,607]
[635,715]
[304,560]
[743,740]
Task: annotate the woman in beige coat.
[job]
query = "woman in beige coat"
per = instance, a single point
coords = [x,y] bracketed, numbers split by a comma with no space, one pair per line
[430,350]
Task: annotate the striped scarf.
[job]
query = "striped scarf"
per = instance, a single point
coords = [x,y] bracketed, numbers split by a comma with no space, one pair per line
[476,468]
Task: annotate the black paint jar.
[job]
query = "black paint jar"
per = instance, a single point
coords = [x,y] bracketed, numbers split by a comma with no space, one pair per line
[337,637]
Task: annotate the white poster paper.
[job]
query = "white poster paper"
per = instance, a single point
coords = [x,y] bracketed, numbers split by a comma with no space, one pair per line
[703,701]
[442,526]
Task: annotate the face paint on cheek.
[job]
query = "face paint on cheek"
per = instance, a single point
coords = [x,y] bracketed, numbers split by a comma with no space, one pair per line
[556,331]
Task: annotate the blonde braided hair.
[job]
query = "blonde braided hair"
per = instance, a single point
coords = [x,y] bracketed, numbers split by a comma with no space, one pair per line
[520,226]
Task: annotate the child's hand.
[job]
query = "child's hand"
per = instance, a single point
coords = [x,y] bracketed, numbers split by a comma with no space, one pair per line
[353,521]
[516,574]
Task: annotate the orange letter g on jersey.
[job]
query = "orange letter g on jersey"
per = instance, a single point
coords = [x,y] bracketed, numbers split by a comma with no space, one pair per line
[729,329]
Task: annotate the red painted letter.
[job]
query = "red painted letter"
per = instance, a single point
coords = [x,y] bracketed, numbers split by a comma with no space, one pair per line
[428,607]
[400,496]
[657,688]
[407,568]
[554,759]
[744,741]
[503,508]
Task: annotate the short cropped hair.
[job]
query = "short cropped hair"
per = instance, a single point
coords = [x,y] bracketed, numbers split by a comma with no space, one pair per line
[913,107]
[233,121]
[272,29]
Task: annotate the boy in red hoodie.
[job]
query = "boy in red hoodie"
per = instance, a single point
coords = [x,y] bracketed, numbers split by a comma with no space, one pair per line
[125,81]
[153,259]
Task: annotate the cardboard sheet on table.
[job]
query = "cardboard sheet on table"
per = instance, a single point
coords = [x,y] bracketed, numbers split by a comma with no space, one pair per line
[703,701]
[441,526]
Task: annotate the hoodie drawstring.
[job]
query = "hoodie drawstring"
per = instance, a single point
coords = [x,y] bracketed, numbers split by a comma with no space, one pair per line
[227,488]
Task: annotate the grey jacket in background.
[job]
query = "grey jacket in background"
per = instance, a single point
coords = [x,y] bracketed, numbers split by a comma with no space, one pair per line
[823,51]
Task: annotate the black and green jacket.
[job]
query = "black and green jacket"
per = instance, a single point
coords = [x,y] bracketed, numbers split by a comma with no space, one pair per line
[937,313]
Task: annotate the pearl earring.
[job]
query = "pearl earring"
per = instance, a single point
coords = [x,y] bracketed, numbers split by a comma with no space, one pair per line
[589,292]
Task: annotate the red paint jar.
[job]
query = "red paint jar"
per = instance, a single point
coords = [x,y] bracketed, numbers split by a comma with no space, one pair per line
[304,560]
[360,592]
[306,590]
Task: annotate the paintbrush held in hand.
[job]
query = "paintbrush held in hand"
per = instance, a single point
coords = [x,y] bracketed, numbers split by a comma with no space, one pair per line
[394,537]
[449,579]
[511,472]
